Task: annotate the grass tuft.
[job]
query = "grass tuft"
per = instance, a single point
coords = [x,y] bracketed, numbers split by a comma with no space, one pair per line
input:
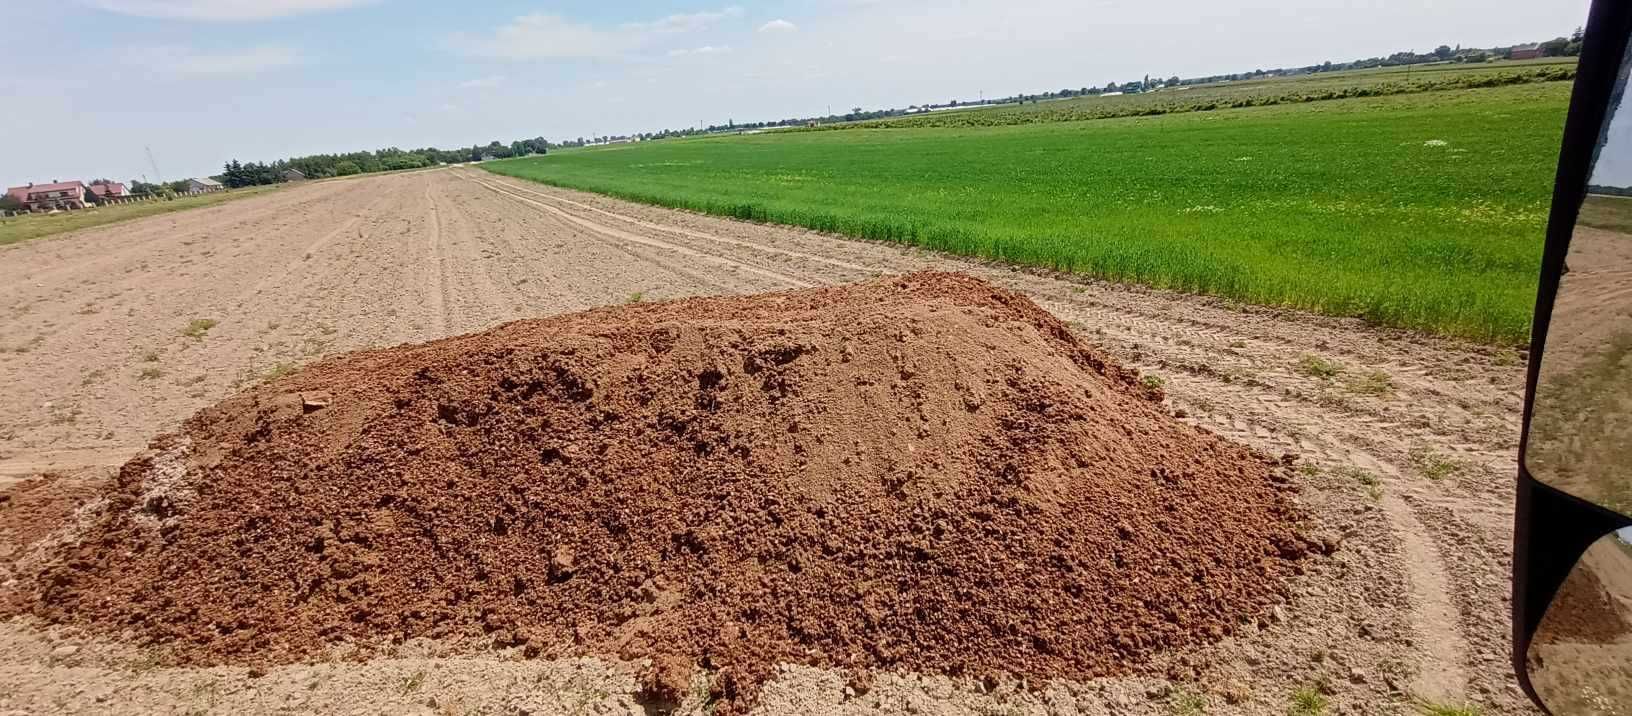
[1433,709]
[280,370]
[198,327]
[1308,701]
[411,683]
[1433,465]
[1373,485]
[1187,703]
[1371,382]
[1312,365]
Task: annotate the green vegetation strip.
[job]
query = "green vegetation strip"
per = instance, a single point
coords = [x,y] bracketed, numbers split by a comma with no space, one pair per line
[1423,211]
[1253,93]
[14,229]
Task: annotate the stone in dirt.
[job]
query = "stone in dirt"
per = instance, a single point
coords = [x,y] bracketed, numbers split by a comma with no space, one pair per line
[917,473]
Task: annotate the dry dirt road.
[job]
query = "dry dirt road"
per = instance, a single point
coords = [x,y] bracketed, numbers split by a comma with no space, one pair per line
[1407,451]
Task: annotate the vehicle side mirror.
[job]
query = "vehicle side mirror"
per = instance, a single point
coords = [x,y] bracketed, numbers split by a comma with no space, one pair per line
[1572,561]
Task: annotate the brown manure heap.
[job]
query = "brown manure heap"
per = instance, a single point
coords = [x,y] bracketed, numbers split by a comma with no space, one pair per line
[920,473]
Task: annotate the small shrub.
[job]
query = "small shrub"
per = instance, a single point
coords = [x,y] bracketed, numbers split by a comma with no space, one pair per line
[150,357]
[636,297]
[151,372]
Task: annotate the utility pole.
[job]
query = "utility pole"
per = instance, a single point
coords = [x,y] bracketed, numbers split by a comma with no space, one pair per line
[154,164]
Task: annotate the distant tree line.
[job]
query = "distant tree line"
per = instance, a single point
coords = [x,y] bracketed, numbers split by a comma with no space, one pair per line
[1556,47]
[237,174]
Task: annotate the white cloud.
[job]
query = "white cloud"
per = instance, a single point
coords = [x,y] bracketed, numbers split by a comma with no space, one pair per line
[546,37]
[778,25]
[685,22]
[541,36]
[482,83]
[187,62]
[220,10]
[704,50]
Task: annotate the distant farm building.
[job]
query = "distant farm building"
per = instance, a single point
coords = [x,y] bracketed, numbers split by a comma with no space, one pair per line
[293,175]
[203,185]
[1526,52]
[108,190]
[48,197]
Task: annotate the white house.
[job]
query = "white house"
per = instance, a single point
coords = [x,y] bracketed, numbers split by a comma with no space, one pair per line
[203,185]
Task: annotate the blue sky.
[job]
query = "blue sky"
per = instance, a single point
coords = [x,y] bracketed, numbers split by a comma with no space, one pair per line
[1614,167]
[202,81]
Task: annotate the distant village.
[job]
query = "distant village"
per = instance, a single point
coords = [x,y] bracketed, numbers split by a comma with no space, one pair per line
[53,196]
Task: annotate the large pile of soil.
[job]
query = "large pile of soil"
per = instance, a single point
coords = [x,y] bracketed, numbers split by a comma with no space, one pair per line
[923,473]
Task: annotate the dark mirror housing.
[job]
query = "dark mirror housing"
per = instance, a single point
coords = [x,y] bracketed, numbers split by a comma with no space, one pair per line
[1554,528]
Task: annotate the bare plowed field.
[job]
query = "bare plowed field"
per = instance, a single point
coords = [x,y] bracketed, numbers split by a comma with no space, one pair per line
[1404,443]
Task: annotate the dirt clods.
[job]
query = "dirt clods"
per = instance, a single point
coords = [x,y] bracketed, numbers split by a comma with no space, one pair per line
[916,473]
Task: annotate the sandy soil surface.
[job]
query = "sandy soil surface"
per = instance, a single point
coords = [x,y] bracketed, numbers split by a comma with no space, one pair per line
[1407,450]
[1582,424]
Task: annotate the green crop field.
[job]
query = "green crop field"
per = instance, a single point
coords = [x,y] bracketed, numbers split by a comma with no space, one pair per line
[1420,210]
[1375,82]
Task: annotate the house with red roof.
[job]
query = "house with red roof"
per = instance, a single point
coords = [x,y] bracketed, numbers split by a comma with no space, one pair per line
[1525,52]
[46,197]
[108,189]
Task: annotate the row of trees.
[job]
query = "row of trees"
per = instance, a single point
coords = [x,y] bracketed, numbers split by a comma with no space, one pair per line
[1556,47]
[318,166]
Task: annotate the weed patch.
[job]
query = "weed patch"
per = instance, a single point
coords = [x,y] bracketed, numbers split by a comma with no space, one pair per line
[1433,465]
[1153,385]
[1433,709]
[1370,382]
[278,371]
[1312,365]
[198,327]
[1187,703]
[1308,701]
